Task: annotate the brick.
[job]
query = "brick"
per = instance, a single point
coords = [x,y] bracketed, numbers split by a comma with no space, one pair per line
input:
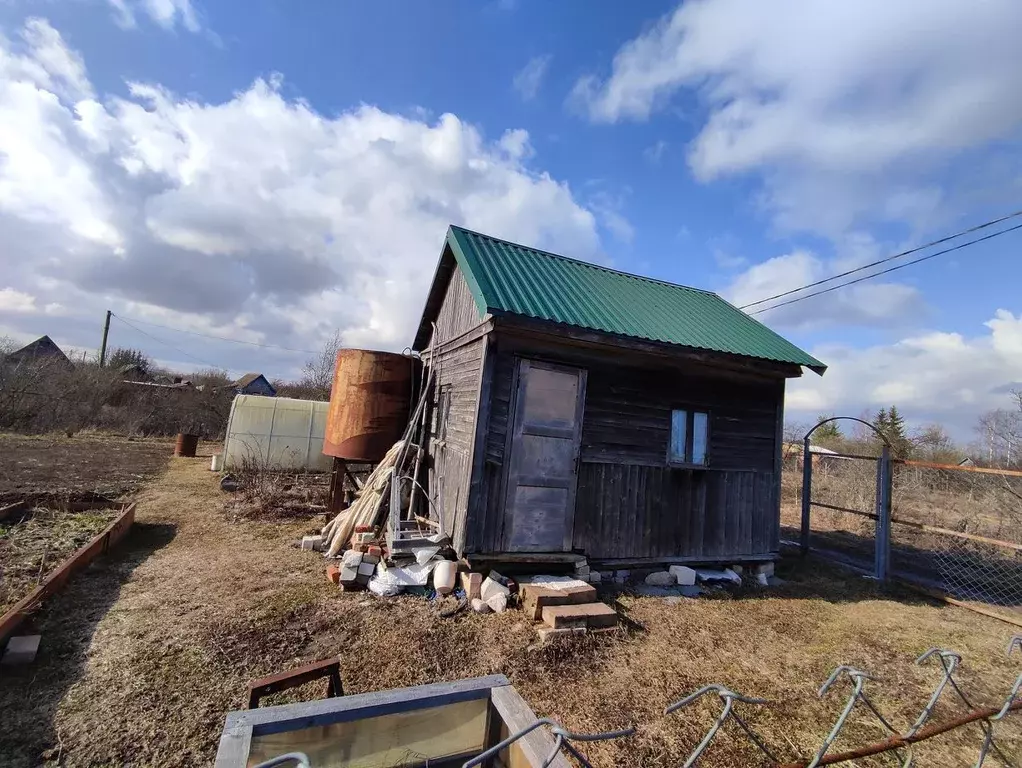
[21,650]
[549,634]
[333,573]
[363,529]
[472,584]
[586,615]
[536,596]
[374,550]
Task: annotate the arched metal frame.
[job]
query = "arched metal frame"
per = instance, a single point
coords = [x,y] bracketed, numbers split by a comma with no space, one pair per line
[882,554]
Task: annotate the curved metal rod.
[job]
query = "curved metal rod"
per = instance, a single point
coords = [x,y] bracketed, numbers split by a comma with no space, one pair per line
[562,739]
[298,758]
[949,661]
[880,434]
[729,698]
[859,679]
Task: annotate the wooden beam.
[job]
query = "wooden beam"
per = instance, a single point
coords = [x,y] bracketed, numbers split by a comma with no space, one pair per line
[53,583]
[517,715]
[568,334]
[459,341]
[957,468]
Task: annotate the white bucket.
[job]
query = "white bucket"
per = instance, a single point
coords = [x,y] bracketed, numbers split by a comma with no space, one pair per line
[443,576]
[217,463]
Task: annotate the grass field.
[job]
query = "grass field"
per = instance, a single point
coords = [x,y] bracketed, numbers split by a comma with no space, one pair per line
[144,654]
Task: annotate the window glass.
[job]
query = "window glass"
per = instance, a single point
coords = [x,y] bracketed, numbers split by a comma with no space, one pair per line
[699,422]
[679,430]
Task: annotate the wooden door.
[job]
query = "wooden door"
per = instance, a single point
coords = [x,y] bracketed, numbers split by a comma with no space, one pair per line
[539,503]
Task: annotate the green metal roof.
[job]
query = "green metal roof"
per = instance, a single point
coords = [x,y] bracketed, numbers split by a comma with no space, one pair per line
[506,278]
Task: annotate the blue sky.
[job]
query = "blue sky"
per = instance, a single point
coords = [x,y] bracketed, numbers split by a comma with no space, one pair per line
[272,172]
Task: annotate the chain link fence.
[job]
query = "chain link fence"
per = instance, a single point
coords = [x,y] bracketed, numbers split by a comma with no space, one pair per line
[959,530]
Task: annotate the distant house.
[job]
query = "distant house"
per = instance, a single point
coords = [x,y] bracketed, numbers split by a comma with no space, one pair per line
[966,462]
[254,384]
[42,349]
[134,372]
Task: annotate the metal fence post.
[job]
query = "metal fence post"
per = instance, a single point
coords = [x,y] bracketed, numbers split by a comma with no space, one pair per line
[807,491]
[882,558]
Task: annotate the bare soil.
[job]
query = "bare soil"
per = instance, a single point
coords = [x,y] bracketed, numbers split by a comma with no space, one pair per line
[79,466]
[145,653]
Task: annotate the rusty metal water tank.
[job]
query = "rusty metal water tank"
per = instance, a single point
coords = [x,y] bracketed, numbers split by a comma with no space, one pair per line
[369,404]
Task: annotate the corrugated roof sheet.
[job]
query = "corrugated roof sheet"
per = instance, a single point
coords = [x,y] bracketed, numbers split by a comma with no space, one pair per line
[510,278]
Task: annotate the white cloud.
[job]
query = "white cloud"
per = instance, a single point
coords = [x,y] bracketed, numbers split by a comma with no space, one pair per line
[529,79]
[870,303]
[256,218]
[847,109]
[16,301]
[167,13]
[933,376]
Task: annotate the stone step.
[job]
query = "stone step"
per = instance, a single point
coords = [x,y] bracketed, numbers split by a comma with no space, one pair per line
[538,595]
[589,615]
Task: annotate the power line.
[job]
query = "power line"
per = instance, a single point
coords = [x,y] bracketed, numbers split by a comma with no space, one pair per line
[909,252]
[221,338]
[168,344]
[886,271]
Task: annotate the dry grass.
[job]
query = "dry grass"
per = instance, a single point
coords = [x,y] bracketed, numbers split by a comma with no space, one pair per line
[35,542]
[144,654]
[76,466]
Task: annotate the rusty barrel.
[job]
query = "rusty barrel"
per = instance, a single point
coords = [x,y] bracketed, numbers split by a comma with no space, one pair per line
[186,445]
[369,403]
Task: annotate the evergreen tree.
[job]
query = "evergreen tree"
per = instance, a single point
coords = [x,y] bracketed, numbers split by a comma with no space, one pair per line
[892,425]
[830,431]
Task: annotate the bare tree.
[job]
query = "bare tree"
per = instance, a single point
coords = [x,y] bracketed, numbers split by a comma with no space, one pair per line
[1000,433]
[318,371]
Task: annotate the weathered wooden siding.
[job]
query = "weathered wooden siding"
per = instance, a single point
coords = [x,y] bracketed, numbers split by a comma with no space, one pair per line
[630,504]
[458,313]
[640,511]
[450,447]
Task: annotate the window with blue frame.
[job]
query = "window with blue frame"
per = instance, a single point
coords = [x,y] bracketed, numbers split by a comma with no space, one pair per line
[689,438]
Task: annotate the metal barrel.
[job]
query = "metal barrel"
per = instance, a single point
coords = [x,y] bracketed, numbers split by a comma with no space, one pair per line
[186,445]
[369,404]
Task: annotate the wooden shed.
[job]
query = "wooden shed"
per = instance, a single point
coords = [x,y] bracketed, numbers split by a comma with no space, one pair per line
[578,409]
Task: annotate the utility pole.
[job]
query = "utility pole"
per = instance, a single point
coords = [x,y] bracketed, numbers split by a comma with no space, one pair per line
[106,332]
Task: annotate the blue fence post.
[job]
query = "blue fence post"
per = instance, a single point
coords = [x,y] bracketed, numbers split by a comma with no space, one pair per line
[807,492]
[882,560]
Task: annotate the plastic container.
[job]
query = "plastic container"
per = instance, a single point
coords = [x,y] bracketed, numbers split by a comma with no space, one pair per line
[444,574]
[216,463]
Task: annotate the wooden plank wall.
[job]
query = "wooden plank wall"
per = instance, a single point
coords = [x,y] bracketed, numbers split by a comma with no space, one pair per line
[629,502]
[457,373]
[458,313]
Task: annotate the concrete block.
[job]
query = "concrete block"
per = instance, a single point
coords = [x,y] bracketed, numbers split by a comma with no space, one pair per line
[762,579]
[21,650]
[480,606]
[351,559]
[683,575]
[366,569]
[767,569]
[489,588]
[313,543]
[368,558]
[497,603]
[472,584]
[739,569]
[582,571]
[595,577]
[661,579]
[587,615]
[621,577]
[347,574]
